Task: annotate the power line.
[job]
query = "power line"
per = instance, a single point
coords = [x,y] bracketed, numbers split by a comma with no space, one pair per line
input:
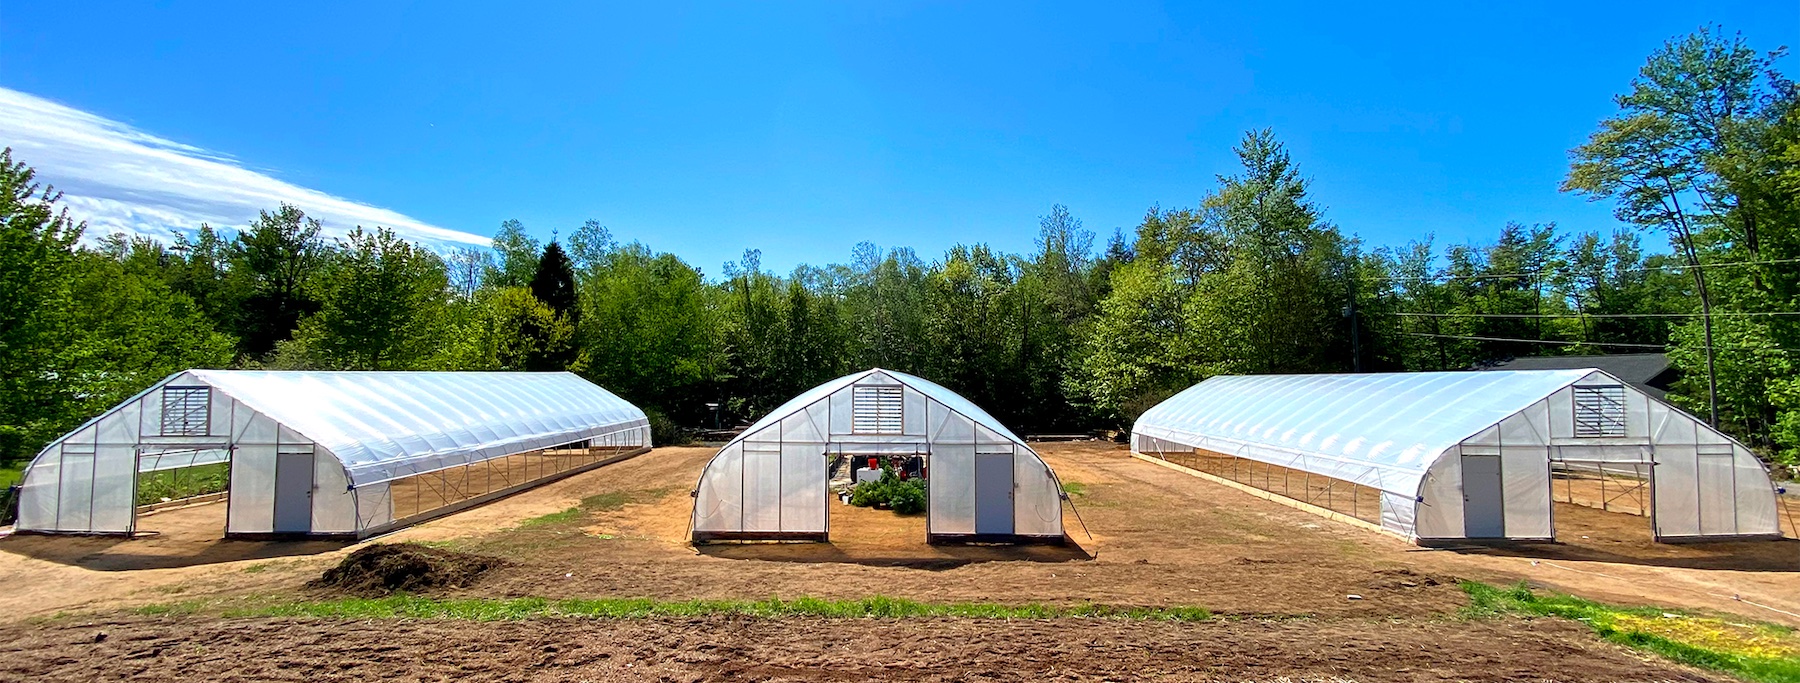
[1740,314]
[1646,269]
[1533,341]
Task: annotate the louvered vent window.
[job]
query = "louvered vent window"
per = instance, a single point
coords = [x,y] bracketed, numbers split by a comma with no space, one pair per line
[877,410]
[1600,411]
[185,411]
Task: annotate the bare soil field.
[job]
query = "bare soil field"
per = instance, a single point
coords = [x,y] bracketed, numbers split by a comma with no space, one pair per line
[1371,607]
[743,649]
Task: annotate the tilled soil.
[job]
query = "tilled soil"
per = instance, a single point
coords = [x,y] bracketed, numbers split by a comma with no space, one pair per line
[742,648]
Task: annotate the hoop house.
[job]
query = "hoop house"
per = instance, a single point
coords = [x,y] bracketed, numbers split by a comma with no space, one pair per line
[1463,455]
[331,453]
[984,483]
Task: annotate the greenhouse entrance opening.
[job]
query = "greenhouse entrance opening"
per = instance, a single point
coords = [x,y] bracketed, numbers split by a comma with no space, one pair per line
[1607,496]
[173,476]
[868,517]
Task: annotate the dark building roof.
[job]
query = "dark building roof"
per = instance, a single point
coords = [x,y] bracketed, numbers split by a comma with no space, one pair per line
[1648,371]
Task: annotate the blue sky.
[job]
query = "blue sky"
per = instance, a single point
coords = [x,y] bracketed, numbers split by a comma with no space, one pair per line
[802,129]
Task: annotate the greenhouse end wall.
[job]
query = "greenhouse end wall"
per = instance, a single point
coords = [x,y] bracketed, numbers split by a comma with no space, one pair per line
[770,482]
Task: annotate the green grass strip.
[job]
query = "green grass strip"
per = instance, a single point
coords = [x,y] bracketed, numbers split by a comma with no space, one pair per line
[1486,600]
[502,609]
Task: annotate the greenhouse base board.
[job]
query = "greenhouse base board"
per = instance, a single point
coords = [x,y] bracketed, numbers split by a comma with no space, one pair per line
[704,537]
[1450,543]
[1007,539]
[346,537]
[77,534]
[1719,539]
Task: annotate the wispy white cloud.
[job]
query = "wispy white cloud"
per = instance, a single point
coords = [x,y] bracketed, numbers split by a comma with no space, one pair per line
[120,179]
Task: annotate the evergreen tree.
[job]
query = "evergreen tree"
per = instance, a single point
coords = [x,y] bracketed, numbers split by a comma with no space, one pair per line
[554,282]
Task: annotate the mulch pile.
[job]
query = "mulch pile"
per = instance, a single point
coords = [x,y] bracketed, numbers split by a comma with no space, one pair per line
[387,568]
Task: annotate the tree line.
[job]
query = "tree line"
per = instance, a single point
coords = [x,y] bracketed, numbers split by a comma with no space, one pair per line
[1070,336]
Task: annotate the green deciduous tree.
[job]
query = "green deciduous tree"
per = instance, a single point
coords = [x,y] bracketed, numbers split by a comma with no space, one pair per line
[506,329]
[648,330]
[383,299]
[37,273]
[516,257]
[272,265]
[134,329]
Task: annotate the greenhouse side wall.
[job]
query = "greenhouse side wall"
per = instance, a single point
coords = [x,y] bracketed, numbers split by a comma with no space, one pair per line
[401,502]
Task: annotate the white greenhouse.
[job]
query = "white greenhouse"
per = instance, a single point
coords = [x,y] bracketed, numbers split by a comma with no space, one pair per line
[984,484]
[1451,456]
[348,454]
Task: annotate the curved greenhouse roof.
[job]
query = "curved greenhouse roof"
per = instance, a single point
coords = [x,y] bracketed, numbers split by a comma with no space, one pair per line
[331,453]
[1394,424]
[1459,455]
[928,388]
[387,425]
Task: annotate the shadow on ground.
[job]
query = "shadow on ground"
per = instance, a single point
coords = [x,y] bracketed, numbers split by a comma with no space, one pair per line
[1781,555]
[116,554]
[932,558]
[180,537]
[1585,534]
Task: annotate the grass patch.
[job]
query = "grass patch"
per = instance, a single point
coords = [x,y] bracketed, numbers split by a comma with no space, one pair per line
[606,501]
[1753,650]
[258,568]
[568,515]
[1074,488]
[186,482]
[11,474]
[170,608]
[502,609]
[601,502]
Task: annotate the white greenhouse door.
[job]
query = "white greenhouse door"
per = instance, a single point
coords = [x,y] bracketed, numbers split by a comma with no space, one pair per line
[1484,509]
[293,493]
[994,493]
[1717,491]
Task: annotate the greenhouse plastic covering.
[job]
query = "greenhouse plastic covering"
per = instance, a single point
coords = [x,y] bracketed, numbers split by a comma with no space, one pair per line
[388,425]
[932,390]
[771,479]
[1384,430]
[1407,434]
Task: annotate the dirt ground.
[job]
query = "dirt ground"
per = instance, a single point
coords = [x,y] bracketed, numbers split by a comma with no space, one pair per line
[742,649]
[1153,536]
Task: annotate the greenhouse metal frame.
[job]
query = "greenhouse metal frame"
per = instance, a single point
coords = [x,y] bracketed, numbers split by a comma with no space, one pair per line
[331,454]
[984,484]
[1438,457]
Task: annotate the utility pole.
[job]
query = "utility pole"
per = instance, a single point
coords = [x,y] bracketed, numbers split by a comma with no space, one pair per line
[1355,329]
